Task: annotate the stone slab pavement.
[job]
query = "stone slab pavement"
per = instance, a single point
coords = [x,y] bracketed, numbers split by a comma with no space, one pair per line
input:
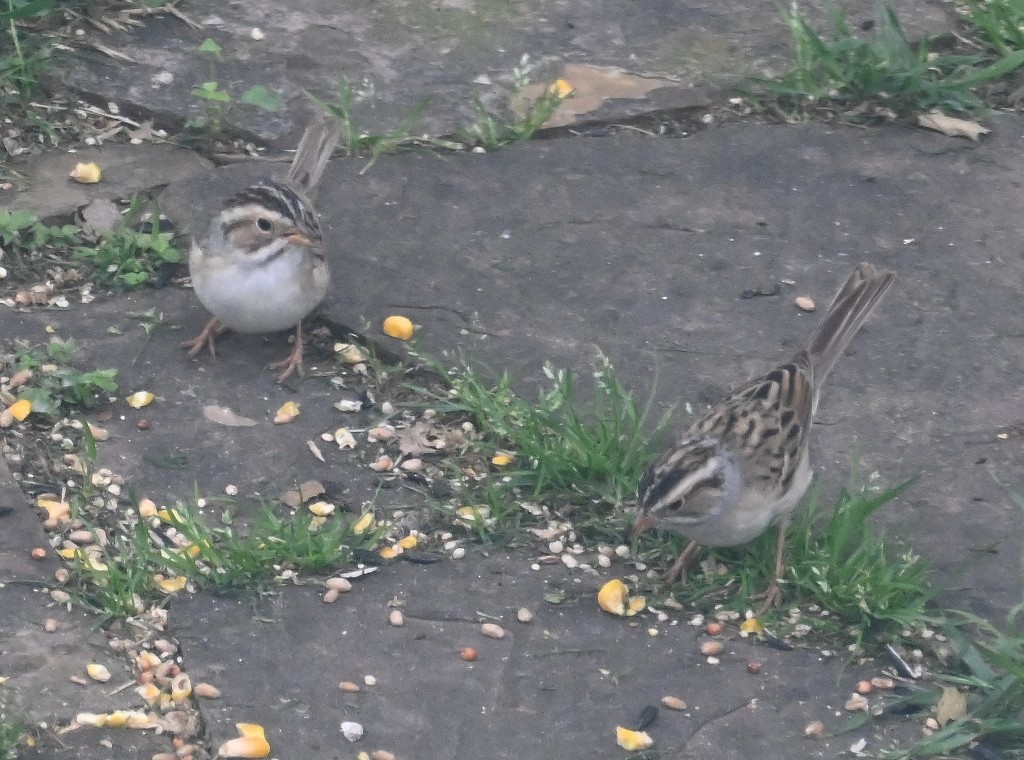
[642,248]
[638,247]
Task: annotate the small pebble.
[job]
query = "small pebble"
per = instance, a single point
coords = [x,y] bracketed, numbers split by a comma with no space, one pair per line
[50,625]
[713,661]
[142,424]
[60,597]
[604,561]
[459,552]
[349,686]
[468,654]
[713,629]
[39,553]
[331,596]
[523,615]
[932,724]
[396,618]
[864,687]
[370,680]
[556,547]
[231,489]
[754,667]
[621,551]
[339,584]
[804,303]
[381,754]
[882,683]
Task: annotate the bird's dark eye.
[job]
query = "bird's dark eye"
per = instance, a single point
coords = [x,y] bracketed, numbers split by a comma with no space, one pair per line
[264,224]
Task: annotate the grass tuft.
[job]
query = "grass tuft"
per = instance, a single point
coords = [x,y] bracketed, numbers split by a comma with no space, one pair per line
[563,451]
[882,77]
[840,561]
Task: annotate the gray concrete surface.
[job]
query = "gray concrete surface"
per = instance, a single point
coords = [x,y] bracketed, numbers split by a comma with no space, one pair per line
[635,246]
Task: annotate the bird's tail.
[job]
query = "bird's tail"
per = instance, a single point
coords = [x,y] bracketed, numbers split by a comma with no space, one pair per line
[851,306]
[314,151]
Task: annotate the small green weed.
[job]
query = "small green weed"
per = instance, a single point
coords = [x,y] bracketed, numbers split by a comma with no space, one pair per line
[22,230]
[123,257]
[148,560]
[840,561]
[56,387]
[216,102]
[1000,23]
[21,58]
[228,558]
[126,257]
[356,141]
[989,676]
[491,131]
[884,77]
[11,733]
[562,452]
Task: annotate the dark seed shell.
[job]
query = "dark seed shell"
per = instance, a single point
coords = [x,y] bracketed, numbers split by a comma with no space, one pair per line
[647,716]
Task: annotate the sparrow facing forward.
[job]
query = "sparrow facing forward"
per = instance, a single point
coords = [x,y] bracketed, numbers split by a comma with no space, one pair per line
[261,267]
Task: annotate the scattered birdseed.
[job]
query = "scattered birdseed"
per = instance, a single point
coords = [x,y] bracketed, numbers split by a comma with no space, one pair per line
[815,730]
[673,703]
[856,703]
[351,730]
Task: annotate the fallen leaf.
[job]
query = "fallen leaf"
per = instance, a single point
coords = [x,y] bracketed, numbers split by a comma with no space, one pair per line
[224,416]
[421,438]
[952,705]
[951,126]
[306,491]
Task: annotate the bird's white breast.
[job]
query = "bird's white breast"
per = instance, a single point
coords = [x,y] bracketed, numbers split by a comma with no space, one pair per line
[254,297]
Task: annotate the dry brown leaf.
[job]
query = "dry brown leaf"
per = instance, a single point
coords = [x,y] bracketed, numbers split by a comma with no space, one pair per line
[224,416]
[952,705]
[308,490]
[951,126]
[421,438]
[592,86]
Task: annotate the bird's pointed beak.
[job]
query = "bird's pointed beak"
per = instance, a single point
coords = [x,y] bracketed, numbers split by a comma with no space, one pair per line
[643,524]
[300,238]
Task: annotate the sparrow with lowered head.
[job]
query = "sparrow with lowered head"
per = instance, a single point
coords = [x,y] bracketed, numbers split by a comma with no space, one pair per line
[745,465]
[261,267]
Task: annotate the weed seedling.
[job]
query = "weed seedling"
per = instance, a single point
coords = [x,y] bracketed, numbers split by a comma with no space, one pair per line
[55,387]
[216,101]
[356,141]
[491,131]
